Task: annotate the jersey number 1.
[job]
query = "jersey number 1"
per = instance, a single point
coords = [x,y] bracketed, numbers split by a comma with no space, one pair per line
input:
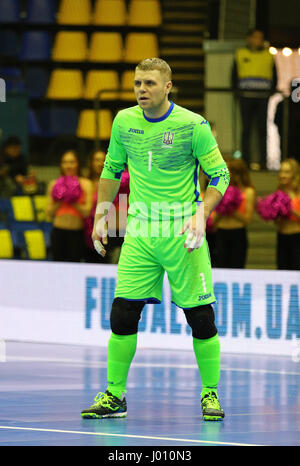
[149,161]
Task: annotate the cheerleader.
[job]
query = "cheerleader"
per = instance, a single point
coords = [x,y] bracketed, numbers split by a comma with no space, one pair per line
[288,227]
[116,218]
[69,202]
[95,166]
[232,216]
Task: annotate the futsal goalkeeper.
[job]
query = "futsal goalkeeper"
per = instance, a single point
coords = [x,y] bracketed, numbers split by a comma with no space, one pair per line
[164,146]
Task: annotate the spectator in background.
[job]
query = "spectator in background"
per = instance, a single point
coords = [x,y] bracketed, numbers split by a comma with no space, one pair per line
[7,185]
[288,229]
[293,121]
[69,202]
[232,216]
[14,163]
[254,79]
[95,166]
[117,215]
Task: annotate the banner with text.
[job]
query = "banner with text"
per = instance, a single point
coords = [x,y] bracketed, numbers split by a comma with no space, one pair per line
[257,311]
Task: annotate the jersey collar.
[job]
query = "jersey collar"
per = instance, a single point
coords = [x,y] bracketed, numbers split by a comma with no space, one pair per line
[156,120]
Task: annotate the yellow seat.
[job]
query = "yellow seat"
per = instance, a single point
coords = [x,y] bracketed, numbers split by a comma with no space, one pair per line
[100,80]
[74,12]
[65,84]
[35,244]
[22,208]
[87,124]
[70,46]
[127,82]
[40,203]
[6,245]
[106,47]
[140,45]
[144,13]
[110,13]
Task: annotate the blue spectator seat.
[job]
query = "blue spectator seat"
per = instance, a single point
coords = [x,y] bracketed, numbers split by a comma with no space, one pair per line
[6,210]
[35,46]
[17,230]
[40,11]
[36,82]
[58,121]
[9,11]
[9,44]
[34,128]
[13,78]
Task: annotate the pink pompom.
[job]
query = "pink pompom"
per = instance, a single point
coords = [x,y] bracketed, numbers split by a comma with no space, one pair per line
[59,189]
[67,188]
[230,201]
[277,204]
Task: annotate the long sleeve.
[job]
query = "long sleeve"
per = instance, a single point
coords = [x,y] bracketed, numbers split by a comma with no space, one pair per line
[116,157]
[206,150]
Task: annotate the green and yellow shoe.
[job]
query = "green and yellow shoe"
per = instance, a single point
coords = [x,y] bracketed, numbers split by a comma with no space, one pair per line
[106,405]
[211,408]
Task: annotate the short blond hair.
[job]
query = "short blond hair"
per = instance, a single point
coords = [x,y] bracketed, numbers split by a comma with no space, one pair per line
[150,64]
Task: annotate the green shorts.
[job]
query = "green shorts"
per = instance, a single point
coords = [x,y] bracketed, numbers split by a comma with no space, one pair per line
[153,249]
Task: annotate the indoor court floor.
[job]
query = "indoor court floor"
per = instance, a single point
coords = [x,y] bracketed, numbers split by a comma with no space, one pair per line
[44,387]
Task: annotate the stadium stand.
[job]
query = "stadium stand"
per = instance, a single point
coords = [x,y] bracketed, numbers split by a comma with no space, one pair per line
[6,244]
[65,84]
[35,46]
[109,13]
[144,13]
[140,45]
[97,81]
[40,11]
[87,127]
[106,47]
[10,11]
[63,53]
[74,12]
[70,46]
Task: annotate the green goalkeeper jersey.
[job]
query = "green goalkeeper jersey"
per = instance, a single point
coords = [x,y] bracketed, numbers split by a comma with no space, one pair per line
[164,156]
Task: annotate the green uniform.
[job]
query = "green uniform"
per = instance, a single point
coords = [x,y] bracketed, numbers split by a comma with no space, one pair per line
[164,157]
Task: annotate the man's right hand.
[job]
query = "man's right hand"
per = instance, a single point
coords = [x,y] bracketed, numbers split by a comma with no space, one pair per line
[99,235]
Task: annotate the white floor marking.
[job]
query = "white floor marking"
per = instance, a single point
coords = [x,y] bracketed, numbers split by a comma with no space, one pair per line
[104,434]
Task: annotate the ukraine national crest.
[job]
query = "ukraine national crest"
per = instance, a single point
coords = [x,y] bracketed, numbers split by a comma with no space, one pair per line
[168,138]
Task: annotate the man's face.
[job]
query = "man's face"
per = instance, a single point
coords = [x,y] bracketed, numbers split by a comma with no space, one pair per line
[256,40]
[151,88]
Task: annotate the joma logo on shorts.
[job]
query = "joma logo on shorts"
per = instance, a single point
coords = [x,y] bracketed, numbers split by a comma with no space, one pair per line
[205,296]
[137,131]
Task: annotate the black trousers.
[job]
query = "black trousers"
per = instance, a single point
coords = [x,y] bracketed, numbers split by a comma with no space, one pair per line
[288,251]
[254,110]
[67,245]
[231,248]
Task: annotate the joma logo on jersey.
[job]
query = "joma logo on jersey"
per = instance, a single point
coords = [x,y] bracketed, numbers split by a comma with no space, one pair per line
[137,131]
[168,138]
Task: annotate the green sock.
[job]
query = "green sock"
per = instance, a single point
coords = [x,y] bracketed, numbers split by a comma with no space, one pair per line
[121,350]
[207,354]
